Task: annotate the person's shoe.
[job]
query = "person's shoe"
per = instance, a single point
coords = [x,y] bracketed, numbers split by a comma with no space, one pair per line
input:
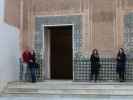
[90,80]
[122,80]
[95,81]
[33,81]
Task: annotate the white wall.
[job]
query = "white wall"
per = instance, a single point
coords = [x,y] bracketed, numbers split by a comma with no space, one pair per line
[2,2]
[9,51]
[9,54]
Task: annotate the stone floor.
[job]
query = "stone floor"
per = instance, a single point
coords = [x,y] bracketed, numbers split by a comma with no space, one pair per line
[67,97]
[68,90]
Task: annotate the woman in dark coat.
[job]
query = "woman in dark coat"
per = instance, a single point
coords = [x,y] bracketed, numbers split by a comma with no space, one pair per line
[95,65]
[121,62]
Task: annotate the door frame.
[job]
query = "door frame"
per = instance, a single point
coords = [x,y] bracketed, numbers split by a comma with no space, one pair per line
[46,65]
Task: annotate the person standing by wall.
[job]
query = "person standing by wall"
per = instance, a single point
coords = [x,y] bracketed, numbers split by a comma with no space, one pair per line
[26,57]
[33,66]
[95,65]
[121,62]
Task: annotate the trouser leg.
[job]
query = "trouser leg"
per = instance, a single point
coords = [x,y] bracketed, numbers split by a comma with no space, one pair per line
[96,74]
[91,74]
[119,75]
[25,65]
[122,75]
[32,70]
[33,75]
[21,71]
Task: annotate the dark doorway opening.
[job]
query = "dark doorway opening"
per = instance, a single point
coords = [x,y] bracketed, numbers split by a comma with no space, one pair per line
[61,66]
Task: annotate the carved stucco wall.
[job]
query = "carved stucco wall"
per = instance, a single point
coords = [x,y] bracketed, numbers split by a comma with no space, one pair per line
[60,8]
[103,17]
[12,12]
[53,5]
[102,20]
[129,3]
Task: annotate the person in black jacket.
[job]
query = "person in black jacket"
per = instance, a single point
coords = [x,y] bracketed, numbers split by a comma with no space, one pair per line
[95,65]
[121,62]
[32,66]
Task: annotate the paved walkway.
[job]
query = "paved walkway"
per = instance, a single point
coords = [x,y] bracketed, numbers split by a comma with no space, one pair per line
[67,97]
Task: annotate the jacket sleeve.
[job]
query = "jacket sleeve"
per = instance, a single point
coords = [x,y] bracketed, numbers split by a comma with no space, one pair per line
[124,58]
[91,58]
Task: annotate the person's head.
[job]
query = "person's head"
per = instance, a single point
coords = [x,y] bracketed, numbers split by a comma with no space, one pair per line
[27,48]
[95,52]
[121,50]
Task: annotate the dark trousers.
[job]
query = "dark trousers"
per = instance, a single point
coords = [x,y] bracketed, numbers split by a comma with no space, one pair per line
[94,73]
[121,73]
[33,72]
